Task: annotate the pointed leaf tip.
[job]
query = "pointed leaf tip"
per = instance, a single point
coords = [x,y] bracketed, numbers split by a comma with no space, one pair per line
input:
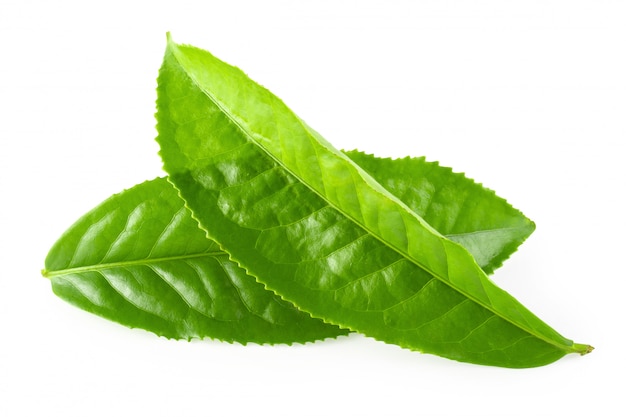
[583,349]
[169,41]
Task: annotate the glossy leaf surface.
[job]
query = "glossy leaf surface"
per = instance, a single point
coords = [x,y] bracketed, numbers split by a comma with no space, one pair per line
[321,232]
[140,259]
[94,260]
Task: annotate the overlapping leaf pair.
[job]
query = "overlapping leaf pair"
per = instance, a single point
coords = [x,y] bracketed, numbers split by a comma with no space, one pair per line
[297,240]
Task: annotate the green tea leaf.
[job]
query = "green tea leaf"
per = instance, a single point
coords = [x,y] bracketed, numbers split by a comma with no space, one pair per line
[319,231]
[158,231]
[140,259]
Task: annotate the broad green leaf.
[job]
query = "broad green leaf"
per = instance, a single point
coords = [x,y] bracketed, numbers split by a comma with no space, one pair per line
[322,233]
[140,259]
[87,273]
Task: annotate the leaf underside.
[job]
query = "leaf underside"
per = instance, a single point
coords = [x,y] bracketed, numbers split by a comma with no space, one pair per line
[314,227]
[141,260]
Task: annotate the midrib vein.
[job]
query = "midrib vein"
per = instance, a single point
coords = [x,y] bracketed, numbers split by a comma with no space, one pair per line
[110,265]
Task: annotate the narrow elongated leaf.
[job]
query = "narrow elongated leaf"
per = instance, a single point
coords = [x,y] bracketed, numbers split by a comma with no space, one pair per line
[318,230]
[141,260]
[145,236]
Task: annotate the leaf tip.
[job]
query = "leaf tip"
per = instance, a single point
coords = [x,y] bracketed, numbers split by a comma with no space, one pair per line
[169,42]
[582,349]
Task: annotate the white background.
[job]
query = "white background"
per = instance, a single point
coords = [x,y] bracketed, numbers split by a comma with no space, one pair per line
[527,97]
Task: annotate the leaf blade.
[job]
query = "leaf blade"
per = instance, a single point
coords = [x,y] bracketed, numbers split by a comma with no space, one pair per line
[149,266]
[343,208]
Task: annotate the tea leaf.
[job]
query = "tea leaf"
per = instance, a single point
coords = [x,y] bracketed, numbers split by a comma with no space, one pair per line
[140,259]
[319,231]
